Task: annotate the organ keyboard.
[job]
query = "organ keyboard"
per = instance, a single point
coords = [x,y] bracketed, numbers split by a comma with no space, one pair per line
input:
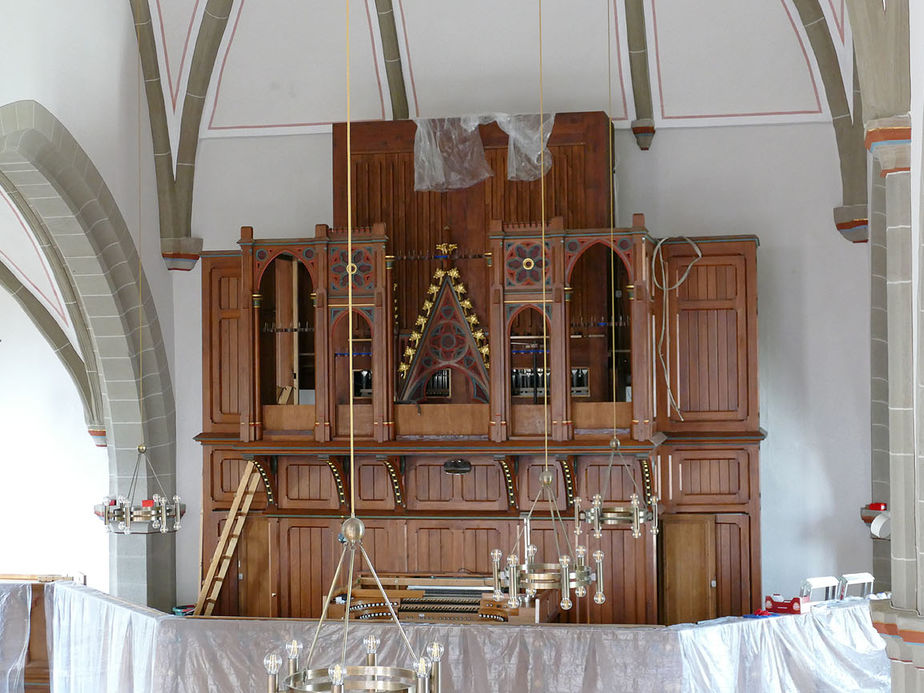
[440,598]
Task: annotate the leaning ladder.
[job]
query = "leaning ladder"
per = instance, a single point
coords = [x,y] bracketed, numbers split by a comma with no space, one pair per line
[227,542]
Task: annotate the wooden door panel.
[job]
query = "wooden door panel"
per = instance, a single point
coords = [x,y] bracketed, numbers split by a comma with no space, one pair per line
[733,565]
[688,568]
[711,345]
[258,569]
[221,360]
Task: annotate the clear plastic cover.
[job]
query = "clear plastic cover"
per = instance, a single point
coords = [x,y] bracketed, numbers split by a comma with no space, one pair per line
[524,152]
[15,608]
[448,153]
[104,645]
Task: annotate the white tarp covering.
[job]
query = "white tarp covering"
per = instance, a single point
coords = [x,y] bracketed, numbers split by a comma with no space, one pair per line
[15,609]
[105,645]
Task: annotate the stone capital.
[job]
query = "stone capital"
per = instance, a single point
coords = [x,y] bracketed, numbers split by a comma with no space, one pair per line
[180,253]
[889,140]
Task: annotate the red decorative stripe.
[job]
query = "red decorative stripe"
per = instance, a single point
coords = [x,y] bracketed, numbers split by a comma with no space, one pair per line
[852,224]
[181,256]
[899,169]
[644,130]
[898,133]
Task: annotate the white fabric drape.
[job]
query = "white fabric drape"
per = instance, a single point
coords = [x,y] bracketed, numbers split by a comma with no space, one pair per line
[105,645]
[15,609]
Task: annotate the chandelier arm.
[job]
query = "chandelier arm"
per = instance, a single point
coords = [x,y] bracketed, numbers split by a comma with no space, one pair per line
[349,603]
[330,595]
[134,481]
[551,499]
[391,610]
[556,516]
[528,515]
[154,474]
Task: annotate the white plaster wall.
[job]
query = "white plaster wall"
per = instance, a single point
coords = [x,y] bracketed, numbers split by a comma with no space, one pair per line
[80,61]
[781,183]
[778,182]
[51,472]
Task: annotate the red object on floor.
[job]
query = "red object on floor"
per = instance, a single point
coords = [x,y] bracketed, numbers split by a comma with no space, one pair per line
[775,603]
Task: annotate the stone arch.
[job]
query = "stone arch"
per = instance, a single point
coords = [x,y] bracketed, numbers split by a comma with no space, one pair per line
[64,198]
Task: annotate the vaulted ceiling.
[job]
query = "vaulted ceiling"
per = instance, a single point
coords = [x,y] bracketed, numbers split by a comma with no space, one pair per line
[281,64]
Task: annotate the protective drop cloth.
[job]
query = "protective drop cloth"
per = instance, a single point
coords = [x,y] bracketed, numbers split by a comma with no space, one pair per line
[15,610]
[449,155]
[833,648]
[101,644]
[106,645]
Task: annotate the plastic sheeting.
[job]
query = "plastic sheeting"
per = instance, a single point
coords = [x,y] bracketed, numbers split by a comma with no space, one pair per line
[106,645]
[832,648]
[15,610]
[448,153]
[101,644]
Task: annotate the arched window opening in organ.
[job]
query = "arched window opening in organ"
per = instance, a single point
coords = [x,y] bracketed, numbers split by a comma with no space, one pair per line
[287,333]
[362,358]
[530,359]
[600,327]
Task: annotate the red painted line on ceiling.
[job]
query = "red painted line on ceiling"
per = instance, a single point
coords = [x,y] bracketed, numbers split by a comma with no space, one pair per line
[269,126]
[808,66]
[56,302]
[175,90]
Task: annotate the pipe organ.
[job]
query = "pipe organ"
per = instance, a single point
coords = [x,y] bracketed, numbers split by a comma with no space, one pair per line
[451,363]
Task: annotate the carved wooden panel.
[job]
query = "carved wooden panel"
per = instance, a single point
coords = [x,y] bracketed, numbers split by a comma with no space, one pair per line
[374,490]
[306,483]
[594,473]
[712,320]
[430,488]
[386,543]
[531,466]
[221,362]
[709,476]
[309,553]
[225,468]
[453,546]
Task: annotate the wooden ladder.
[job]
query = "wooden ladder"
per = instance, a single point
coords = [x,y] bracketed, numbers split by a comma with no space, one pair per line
[227,542]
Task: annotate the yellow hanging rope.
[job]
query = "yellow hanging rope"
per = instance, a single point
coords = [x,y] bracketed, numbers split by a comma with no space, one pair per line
[609,112]
[545,269]
[351,269]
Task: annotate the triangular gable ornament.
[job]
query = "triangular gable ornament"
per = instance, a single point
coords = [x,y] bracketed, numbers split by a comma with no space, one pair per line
[446,335]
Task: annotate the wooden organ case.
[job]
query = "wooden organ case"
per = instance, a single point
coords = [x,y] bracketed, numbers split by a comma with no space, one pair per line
[448,346]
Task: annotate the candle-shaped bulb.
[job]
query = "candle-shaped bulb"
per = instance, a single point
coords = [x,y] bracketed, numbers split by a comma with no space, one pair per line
[372,643]
[271,662]
[335,674]
[435,651]
[293,649]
